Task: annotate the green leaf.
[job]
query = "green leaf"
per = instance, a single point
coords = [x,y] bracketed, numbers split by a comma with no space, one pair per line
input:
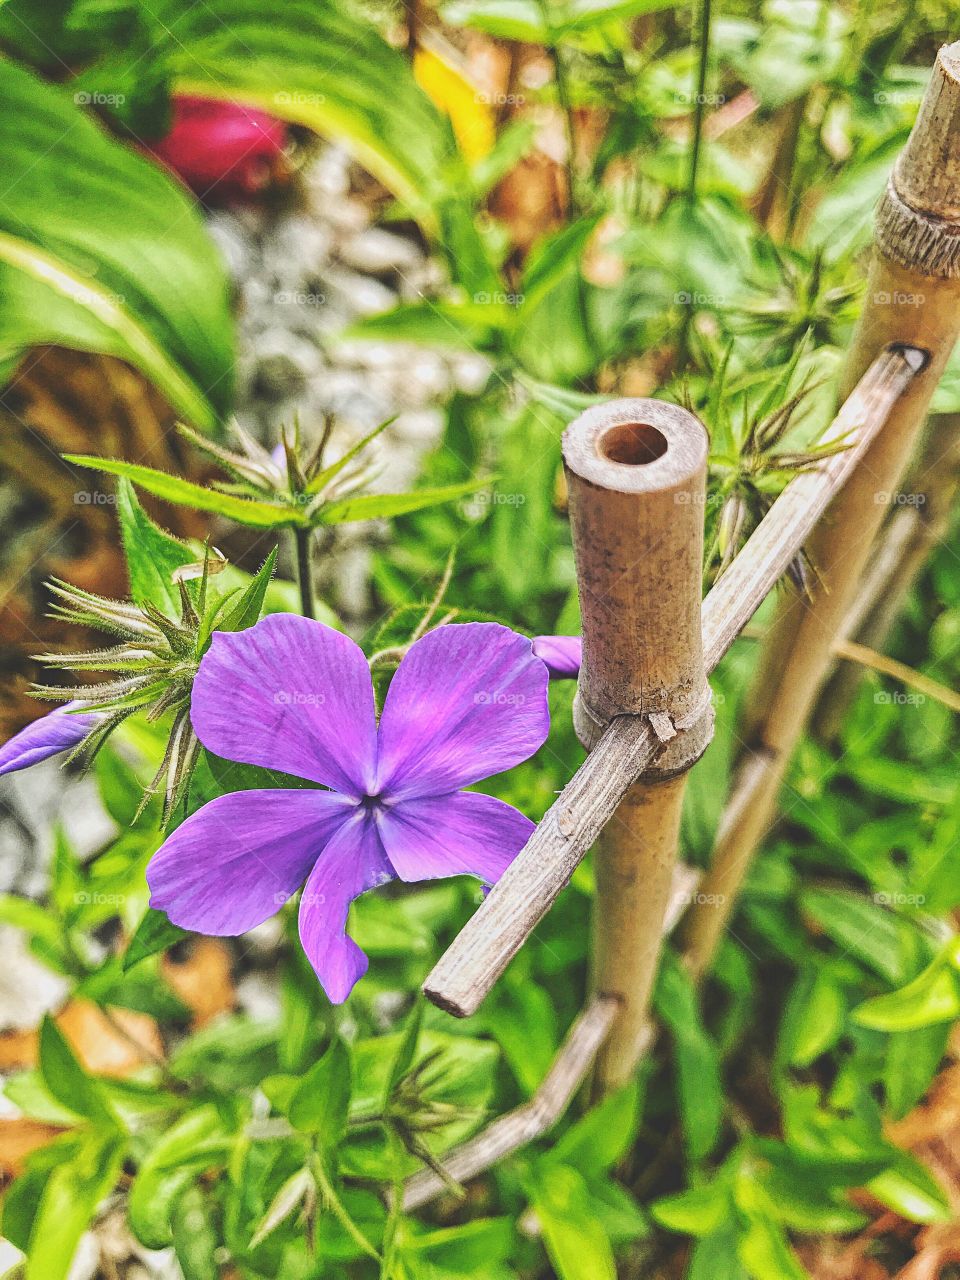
[70,1198]
[67,1080]
[932,997]
[466,326]
[154,934]
[908,1188]
[287,1200]
[576,1243]
[865,929]
[247,610]
[184,493]
[102,251]
[322,1100]
[814,1018]
[407,1052]
[699,1211]
[375,506]
[152,555]
[601,1138]
[197,1142]
[715,1257]
[765,1251]
[698,1068]
[532,22]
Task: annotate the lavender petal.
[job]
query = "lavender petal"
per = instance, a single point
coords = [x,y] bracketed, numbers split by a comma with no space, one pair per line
[468,700]
[289,694]
[55,732]
[466,833]
[233,863]
[562,654]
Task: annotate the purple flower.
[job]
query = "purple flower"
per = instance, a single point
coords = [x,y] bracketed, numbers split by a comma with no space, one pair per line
[467,701]
[55,732]
[562,654]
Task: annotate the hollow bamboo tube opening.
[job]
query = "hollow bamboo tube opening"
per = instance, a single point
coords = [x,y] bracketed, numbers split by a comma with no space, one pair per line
[913,298]
[636,472]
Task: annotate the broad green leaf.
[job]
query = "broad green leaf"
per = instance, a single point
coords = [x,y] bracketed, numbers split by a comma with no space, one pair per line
[699,1211]
[912,1061]
[102,251]
[152,555]
[862,927]
[184,493]
[321,1102]
[31,918]
[376,506]
[67,1080]
[472,1248]
[715,1257]
[765,1252]
[601,1138]
[576,1243]
[932,997]
[814,1018]
[908,1188]
[70,1198]
[154,933]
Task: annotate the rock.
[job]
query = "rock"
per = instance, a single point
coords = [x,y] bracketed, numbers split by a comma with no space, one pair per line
[380,253]
[360,295]
[285,364]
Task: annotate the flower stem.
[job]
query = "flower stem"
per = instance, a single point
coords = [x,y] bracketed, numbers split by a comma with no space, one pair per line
[305,571]
[699,106]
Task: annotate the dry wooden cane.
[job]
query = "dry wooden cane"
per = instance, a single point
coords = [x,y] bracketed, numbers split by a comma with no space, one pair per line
[913,296]
[636,474]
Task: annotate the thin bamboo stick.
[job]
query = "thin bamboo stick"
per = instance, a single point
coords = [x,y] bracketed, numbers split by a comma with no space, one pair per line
[628,745]
[913,296]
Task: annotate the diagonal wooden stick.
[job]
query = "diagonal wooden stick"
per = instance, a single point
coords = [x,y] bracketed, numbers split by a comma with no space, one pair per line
[528,888]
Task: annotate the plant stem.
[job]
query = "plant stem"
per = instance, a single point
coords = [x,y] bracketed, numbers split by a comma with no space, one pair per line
[335,1204]
[305,571]
[699,106]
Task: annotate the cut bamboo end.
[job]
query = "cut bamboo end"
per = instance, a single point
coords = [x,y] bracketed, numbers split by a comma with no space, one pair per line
[927,172]
[636,474]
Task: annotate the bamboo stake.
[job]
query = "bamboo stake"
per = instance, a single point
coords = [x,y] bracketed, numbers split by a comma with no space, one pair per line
[910,537]
[913,296]
[636,474]
[531,884]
